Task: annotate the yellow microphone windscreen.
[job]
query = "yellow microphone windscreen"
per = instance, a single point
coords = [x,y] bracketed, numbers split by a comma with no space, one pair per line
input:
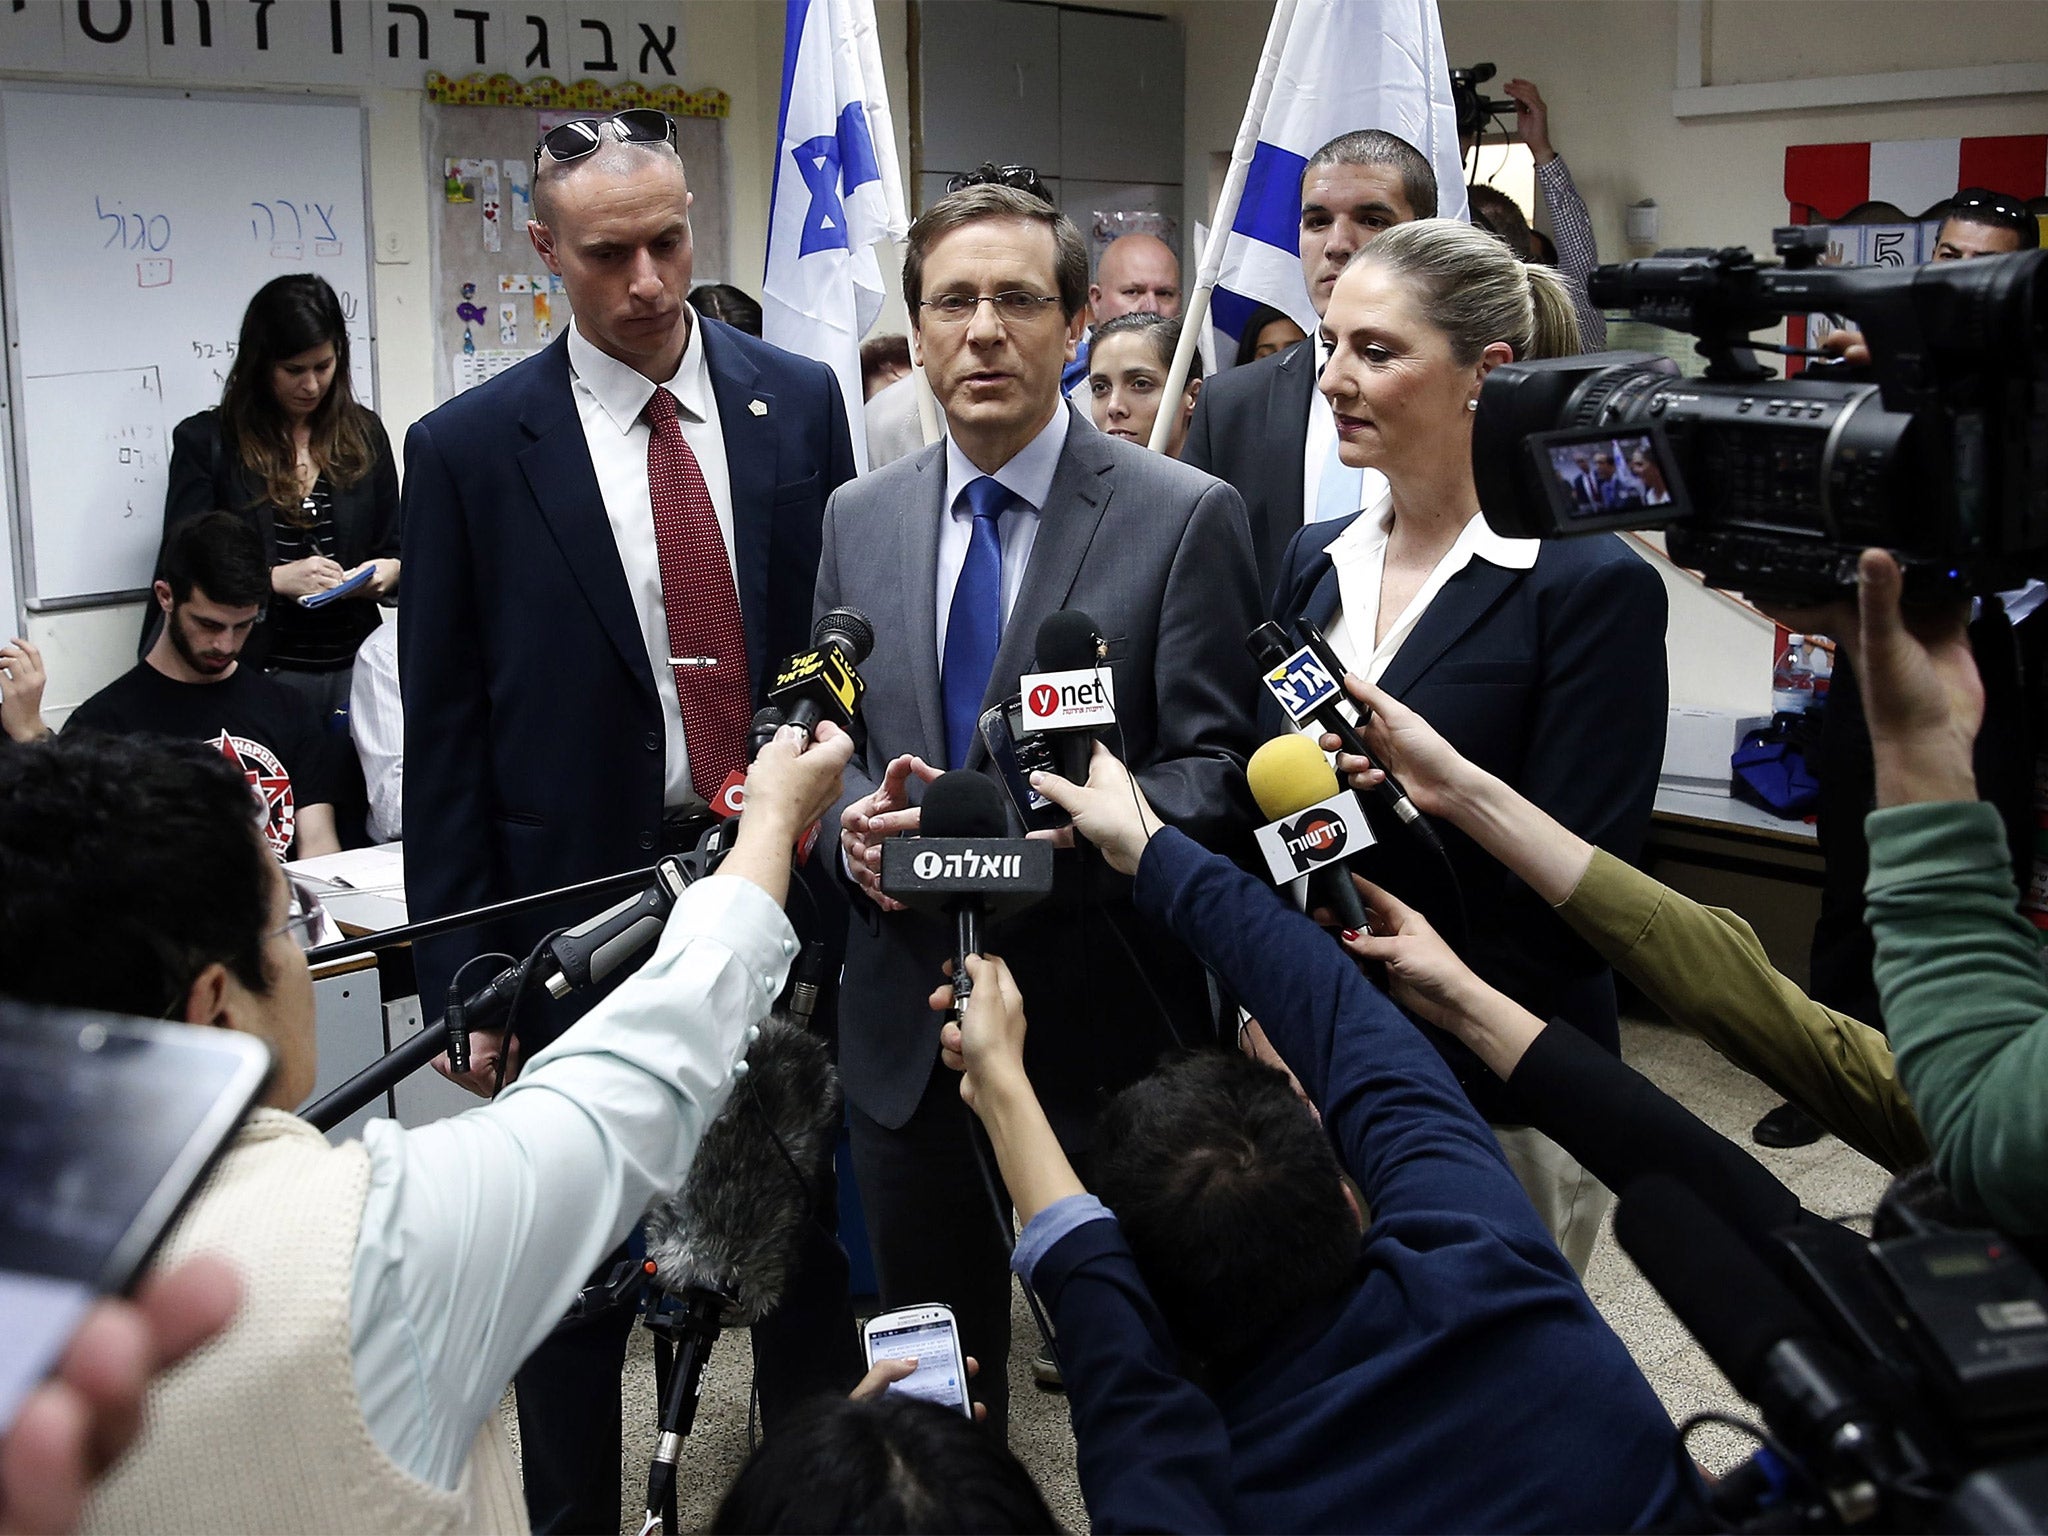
[1289,774]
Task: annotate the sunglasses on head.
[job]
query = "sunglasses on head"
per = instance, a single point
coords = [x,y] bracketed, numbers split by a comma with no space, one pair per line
[1985,207]
[580,136]
[1023,178]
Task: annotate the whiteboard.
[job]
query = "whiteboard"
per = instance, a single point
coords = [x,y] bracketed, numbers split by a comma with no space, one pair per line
[137,228]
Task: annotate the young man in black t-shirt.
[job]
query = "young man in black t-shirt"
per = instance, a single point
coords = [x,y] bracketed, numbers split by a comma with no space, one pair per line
[192,685]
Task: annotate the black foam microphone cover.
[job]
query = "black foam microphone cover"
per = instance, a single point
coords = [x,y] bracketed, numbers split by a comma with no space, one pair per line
[1067,641]
[737,1225]
[963,804]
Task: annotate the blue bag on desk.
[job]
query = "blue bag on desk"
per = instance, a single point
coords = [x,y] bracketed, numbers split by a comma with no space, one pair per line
[1770,766]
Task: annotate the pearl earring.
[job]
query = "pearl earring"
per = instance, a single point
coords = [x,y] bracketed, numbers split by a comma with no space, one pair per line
[1471,405]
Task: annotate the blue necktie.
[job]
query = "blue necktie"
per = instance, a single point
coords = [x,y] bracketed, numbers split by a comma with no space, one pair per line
[974,623]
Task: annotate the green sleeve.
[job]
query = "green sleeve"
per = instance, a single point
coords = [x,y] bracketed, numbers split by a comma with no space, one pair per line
[1959,973]
[1704,967]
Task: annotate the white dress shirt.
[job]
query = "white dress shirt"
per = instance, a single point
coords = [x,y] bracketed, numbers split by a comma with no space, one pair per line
[376,724]
[1028,479]
[479,1230]
[1359,555]
[609,399]
[1321,442]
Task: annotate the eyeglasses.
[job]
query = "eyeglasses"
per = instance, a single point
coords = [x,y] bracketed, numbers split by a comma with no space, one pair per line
[988,174]
[580,136]
[1014,307]
[306,916]
[1978,205]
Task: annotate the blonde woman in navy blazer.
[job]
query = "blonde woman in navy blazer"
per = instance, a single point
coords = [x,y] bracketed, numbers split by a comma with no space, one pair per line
[1541,660]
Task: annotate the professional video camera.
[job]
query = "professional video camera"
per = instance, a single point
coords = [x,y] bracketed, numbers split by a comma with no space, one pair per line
[1903,1378]
[1772,487]
[1473,110]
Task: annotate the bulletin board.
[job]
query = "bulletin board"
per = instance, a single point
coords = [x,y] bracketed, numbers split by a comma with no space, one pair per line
[128,263]
[495,303]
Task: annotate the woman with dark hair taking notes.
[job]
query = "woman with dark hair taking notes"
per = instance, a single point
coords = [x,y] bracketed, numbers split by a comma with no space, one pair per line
[1540,660]
[289,448]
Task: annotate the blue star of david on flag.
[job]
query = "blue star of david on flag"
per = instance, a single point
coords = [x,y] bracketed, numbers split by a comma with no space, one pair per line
[832,165]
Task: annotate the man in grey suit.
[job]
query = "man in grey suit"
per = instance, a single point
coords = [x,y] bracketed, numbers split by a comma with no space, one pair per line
[957,553]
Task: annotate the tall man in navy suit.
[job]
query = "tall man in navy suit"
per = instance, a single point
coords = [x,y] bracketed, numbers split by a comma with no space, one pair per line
[609,546]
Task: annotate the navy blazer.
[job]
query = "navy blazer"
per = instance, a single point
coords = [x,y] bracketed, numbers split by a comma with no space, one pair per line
[534,742]
[1553,679]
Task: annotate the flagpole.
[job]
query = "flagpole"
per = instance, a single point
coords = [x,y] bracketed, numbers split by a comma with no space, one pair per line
[1196,315]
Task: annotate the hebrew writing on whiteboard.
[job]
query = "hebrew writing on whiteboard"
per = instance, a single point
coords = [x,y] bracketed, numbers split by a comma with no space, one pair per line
[139,259]
[102,435]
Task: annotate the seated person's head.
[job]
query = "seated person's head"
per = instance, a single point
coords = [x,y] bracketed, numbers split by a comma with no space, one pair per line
[1980,222]
[1128,362]
[1266,331]
[883,360]
[1495,212]
[1354,187]
[889,1463]
[134,878]
[1231,1199]
[214,587]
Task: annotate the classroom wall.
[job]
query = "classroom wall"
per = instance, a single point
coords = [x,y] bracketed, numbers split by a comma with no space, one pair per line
[1606,66]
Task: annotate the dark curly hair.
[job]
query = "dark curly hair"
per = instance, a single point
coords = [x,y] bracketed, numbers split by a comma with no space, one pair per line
[127,866]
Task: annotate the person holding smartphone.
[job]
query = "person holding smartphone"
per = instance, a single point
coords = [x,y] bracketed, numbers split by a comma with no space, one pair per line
[390,1292]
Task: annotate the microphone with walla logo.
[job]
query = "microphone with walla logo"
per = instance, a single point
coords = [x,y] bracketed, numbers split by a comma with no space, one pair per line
[965,865]
[821,683]
[1312,824]
[1072,696]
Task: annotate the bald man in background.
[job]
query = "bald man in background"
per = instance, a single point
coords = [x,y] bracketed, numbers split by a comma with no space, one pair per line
[1136,274]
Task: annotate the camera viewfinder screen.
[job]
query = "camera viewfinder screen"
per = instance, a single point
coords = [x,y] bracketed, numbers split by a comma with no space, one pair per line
[1601,477]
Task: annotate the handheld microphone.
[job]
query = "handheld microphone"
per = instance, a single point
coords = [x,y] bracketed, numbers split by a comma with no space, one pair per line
[1071,697]
[822,683]
[1307,680]
[1312,824]
[592,952]
[1772,1348]
[963,863]
[768,719]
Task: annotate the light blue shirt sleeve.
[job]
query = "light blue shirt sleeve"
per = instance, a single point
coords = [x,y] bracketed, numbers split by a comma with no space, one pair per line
[1052,1224]
[478,1230]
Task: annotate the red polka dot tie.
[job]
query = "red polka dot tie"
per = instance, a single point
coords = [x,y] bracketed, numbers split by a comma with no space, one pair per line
[702,604]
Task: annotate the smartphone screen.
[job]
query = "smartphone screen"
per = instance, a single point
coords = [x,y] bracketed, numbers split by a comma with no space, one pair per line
[938,1377]
[106,1124]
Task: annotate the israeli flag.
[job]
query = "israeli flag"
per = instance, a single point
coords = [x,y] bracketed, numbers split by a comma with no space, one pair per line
[837,190]
[1343,65]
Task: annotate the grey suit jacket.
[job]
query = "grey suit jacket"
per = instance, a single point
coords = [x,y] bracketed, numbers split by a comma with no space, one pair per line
[1160,557]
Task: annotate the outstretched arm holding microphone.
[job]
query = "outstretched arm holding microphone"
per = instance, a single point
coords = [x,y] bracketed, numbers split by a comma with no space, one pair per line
[1702,965]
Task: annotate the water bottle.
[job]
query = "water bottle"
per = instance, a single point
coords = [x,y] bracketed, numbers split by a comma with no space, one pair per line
[1791,679]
